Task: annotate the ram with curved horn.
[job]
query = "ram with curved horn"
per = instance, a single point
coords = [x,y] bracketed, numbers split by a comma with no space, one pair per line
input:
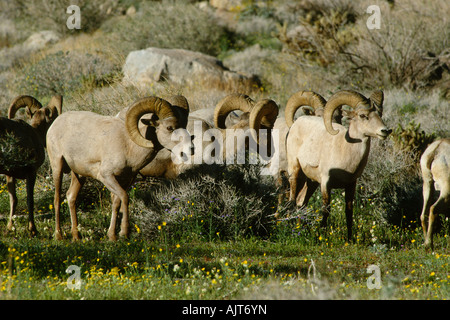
[259,117]
[309,102]
[163,165]
[22,157]
[323,153]
[110,150]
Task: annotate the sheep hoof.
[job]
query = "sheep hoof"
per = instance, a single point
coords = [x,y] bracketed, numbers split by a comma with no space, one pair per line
[112,236]
[76,237]
[428,246]
[33,231]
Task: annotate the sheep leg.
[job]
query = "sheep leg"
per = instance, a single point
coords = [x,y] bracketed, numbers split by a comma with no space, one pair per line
[326,190]
[281,187]
[31,180]
[435,209]
[11,185]
[293,180]
[427,191]
[115,203]
[114,187]
[307,191]
[349,196]
[57,170]
[76,183]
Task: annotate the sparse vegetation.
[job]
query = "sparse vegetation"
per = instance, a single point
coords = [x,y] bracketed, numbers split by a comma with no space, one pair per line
[212,233]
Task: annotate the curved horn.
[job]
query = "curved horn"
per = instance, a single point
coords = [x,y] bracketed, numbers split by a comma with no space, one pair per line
[264,113]
[230,103]
[155,105]
[376,99]
[55,104]
[346,97]
[21,102]
[300,99]
[181,105]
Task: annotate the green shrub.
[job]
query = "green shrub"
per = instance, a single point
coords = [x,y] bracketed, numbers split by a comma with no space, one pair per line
[13,155]
[208,202]
[412,139]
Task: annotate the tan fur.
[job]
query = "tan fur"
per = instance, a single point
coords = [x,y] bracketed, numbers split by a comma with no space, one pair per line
[435,166]
[316,157]
[100,147]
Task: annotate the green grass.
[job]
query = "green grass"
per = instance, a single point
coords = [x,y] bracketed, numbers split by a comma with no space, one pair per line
[185,265]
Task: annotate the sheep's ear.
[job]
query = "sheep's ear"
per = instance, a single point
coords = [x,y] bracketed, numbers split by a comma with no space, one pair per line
[152,121]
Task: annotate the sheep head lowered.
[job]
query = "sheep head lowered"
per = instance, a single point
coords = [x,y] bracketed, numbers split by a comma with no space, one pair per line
[110,150]
[330,155]
[163,165]
[40,118]
[255,116]
[29,146]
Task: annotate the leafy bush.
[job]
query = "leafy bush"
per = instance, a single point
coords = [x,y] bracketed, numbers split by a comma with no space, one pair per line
[208,202]
[13,155]
[392,180]
[412,139]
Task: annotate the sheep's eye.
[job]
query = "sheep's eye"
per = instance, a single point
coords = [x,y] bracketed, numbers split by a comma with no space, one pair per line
[169,128]
[363,116]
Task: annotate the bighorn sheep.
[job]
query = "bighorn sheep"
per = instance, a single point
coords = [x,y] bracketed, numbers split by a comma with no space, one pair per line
[319,154]
[435,166]
[30,139]
[163,165]
[311,104]
[110,150]
[255,116]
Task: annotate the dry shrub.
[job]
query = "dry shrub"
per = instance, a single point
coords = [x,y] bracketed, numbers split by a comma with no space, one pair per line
[166,24]
[410,49]
[323,29]
[64,73]
[209,202]
[38,15]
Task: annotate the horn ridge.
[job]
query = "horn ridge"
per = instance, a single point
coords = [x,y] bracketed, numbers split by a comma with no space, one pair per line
[21,102]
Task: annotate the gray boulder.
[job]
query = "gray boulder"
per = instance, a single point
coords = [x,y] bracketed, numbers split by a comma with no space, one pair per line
[153,65]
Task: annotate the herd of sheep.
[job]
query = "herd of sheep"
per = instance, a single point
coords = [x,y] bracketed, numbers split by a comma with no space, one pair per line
[312,150]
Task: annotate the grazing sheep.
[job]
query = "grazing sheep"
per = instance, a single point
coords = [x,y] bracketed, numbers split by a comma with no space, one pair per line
[163,165]
[110,150]
[29,146]
[435,166]
[319,154]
